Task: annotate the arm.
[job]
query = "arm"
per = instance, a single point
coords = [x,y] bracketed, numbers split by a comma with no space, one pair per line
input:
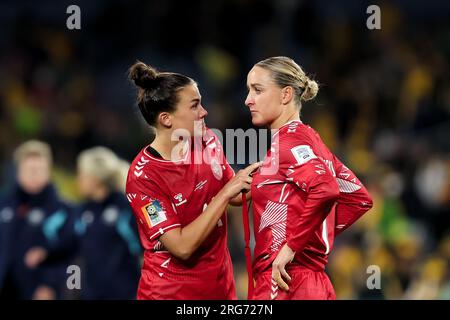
[322,191]
[61,241]
[182,242]
[314,178]
[353,200]
[322,194]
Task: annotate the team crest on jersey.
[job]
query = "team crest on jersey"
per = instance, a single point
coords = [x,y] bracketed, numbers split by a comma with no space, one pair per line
[154,213]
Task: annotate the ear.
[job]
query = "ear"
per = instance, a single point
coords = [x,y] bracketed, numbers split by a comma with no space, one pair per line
[287,94]
[165,119]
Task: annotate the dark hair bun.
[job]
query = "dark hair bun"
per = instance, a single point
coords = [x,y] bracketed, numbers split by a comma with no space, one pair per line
[143,76]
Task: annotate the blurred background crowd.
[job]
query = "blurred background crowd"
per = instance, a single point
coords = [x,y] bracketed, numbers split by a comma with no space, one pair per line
[383,108]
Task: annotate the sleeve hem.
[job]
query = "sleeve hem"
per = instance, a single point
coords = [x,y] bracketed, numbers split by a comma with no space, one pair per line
[161,231]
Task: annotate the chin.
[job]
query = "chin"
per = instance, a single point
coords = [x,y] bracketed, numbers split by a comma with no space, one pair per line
[257,121]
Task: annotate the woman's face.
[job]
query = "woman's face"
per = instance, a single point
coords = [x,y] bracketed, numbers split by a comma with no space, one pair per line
[189,114]
[33,174]
[87,184]
[264,97]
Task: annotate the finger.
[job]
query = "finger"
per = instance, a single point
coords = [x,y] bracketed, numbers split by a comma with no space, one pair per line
[246,187]
[252,167]
[276,275]
[285,274]
[247,179]
[283,285]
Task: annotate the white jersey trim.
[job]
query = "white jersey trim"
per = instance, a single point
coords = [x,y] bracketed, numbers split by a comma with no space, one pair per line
[347,186]
[287,123]
[325,236]
[161,231]
[268,181]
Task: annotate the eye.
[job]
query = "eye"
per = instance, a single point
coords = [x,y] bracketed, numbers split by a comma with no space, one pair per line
[258,90]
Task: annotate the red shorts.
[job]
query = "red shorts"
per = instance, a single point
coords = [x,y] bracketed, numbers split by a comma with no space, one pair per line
[206,285]
[306,284]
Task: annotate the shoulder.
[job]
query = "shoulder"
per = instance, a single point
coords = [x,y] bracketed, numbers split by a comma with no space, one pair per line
[140,170]
[298,144]
[296,133]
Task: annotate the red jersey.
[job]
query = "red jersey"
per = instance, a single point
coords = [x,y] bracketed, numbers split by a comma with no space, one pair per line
[166,195]
[303,196]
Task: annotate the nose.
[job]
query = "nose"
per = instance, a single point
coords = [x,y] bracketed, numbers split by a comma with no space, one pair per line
[249,101]
[203,112]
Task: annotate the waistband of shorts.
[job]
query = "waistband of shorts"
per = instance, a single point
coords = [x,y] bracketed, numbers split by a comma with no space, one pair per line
[179,272]
[292,269]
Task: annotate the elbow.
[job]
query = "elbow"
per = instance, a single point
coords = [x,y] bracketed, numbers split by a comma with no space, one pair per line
[182,253]
[367,202]
[184,256]
[178,246]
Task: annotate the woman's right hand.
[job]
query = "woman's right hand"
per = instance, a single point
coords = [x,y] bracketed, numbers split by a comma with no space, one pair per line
[240,182]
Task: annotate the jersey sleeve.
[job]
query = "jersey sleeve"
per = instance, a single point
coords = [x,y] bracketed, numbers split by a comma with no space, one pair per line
[353,201]
[301,166]
[154,212]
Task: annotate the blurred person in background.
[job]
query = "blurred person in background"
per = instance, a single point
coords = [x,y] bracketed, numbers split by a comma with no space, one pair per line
[179,202]
[37,239]
[303,196]
[109,247]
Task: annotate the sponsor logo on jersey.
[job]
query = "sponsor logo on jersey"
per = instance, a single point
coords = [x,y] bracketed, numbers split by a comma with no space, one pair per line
[154,213]
[179,198]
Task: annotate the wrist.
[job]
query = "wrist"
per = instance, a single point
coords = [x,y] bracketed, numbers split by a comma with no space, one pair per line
[289,247]
[223,196]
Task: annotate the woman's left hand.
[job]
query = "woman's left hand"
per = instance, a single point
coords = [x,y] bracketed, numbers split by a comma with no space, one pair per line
[278,267]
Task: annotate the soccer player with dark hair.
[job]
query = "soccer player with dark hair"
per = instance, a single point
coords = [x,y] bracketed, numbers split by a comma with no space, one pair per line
[179,187]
